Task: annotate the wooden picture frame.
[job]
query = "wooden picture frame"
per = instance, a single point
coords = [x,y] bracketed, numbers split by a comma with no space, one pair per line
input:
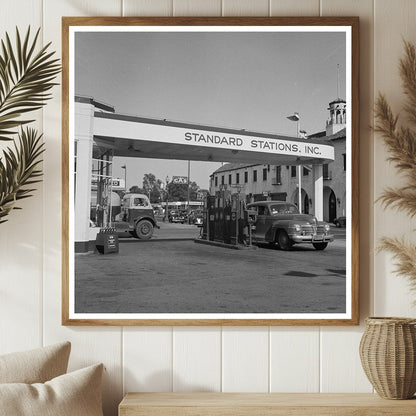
[80,110]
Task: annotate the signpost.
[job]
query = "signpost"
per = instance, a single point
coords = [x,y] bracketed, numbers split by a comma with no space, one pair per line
[180,180]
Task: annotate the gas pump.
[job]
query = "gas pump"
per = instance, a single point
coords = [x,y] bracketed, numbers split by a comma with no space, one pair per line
[238,207]
[250,217]
[209,219]
[227,220]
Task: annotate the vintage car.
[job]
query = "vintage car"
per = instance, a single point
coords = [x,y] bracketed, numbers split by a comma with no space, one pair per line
[340,222]
[137,213]
[177,216]
[280,223]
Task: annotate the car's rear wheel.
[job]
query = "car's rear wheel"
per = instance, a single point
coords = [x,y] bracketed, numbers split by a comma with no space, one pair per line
[144,229]
[320,246]
[285,243]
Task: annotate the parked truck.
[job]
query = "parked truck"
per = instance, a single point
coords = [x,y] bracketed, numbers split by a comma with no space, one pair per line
[136,216]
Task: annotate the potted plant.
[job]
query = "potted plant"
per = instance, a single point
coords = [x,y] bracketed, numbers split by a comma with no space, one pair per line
[388,345]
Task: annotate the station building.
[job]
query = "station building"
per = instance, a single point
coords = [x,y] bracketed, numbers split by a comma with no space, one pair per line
[281,182]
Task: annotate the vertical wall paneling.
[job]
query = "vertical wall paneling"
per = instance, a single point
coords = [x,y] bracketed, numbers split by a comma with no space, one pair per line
[21,13]
[394,21]
[294,351]
[148,7]
[197,7]
[341,369]
[294,8]
[245,8]
[196,359]
[231,359]
[336,374]
[245,359]
[147,359]
[21,237]
[89,345]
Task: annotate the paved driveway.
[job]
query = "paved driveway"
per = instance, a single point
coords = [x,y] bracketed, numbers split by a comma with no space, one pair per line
[179,276]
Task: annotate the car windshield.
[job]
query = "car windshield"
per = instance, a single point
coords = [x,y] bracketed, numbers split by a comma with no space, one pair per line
[283,209]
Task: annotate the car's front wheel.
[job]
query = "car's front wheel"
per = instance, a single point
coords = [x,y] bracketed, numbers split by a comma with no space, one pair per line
[320,246]
[144,229]
[283,240]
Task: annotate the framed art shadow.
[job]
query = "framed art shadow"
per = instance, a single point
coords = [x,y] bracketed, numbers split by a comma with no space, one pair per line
[210,171]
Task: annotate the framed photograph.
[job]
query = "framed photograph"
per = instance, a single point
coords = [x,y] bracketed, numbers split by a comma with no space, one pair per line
[210,171]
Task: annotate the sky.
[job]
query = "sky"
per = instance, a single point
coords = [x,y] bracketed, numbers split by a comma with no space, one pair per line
[240,80]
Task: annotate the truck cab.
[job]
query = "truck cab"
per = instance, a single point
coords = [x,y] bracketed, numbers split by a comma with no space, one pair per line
[138,213]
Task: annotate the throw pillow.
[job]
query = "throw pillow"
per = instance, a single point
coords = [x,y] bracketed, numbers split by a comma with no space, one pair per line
[73,394]
[35,366]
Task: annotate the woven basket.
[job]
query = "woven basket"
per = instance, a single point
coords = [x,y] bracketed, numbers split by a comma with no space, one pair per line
[388,356]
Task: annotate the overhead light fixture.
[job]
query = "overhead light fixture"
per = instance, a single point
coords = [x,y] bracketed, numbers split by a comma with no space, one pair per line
[293,117]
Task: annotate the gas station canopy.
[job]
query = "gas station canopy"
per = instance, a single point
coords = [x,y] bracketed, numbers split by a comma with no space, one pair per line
[161,139]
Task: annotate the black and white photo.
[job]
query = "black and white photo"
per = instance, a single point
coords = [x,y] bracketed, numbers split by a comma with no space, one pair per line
[211,172]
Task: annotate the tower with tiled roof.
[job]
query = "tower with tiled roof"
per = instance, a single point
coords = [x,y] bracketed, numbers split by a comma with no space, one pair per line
[337,116]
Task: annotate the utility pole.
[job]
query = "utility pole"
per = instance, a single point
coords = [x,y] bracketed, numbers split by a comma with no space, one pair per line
[295,117]
[189,190]
[166,200]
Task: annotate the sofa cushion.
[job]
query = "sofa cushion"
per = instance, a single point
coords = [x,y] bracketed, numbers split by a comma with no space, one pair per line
[35,366]
[73,394]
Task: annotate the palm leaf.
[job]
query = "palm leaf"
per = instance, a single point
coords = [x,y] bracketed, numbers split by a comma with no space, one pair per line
[25,79]
[19,170]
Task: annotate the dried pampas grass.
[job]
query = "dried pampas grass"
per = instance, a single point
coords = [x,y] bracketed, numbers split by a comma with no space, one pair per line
[405,254]
[401,144]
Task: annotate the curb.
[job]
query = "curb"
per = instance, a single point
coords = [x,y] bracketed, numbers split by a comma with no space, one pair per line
[154,240]
[224,245]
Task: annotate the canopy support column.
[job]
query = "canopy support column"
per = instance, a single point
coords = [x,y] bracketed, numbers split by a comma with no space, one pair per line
[318,178]
[84,124]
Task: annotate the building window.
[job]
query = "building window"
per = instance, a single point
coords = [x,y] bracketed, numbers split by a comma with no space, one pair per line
[265,174]
[293,171]
[305,171]
[254,175]
[229,179]
[237,178]
[278,175]
[325,171]
[216,181]
[222,180]
[344,156]
[245,177]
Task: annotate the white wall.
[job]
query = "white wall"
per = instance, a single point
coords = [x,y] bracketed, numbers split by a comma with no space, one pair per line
[285,359]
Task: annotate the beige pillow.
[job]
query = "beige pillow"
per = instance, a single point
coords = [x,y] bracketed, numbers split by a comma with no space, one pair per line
[73,394]
[35,366]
